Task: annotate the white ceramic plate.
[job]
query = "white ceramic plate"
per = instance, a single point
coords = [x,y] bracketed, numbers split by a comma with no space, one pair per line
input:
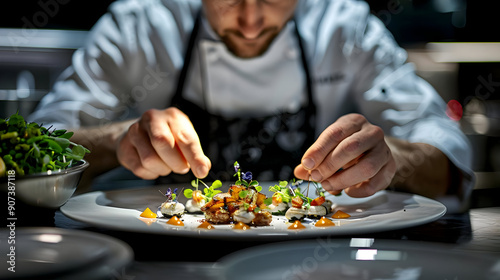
[120,210]
[357,259]
[54,253]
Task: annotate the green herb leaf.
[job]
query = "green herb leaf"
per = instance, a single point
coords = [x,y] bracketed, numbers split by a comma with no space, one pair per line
[188,193]
[195,184]
[63,142]
[216,184]
[78,152]
[35,148]
[243,194]
[268,201]
[67,135]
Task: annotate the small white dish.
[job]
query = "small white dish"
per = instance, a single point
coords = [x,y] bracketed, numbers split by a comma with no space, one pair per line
[357,258]
[55,253]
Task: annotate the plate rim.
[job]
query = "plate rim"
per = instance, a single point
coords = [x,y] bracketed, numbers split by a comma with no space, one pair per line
[119,254]
[69,212]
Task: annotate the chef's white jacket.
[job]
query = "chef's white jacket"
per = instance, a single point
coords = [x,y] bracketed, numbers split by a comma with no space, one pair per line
[135,52]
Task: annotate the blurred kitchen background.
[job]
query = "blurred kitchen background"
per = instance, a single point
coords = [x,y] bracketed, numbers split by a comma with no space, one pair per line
[453,44]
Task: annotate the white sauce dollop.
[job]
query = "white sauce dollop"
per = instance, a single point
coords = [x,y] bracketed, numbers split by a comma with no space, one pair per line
[172,208]
[242,215]
[297,213]
[193,206]
[277,208]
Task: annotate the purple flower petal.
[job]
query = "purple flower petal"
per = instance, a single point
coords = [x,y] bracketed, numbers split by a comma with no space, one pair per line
[247,176]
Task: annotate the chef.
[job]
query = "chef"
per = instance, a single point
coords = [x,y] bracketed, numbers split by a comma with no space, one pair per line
[312,89]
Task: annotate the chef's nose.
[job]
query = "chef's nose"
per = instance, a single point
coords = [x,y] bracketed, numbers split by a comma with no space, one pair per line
[251,19]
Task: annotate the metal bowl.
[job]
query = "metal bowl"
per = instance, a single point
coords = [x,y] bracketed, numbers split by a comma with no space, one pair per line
[48,189]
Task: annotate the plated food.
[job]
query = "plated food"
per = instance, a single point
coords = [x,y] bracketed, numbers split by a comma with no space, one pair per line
[244,205]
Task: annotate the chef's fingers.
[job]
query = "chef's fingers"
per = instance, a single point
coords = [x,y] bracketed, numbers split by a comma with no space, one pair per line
[160,137]
[346,152]
[366,168]
[302,173]
[148,156]
[188,144]
[376,183]
[330,138]
[129,158]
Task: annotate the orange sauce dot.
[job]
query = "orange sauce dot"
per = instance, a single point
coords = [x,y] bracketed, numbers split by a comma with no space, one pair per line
[241,226]
[175,221]
[297,225]
[206,225]
[324,222]
[148,213]
[340,215]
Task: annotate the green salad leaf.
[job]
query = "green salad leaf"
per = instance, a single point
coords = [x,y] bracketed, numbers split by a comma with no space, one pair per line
[30,148]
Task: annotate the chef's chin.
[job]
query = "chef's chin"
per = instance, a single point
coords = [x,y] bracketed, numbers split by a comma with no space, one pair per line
[247,48]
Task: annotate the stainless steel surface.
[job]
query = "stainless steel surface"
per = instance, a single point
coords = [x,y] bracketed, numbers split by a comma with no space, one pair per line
[31,60]
[16,101]
[42,38]
[50,189]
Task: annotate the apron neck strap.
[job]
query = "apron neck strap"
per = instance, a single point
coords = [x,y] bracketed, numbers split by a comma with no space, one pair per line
[187,60]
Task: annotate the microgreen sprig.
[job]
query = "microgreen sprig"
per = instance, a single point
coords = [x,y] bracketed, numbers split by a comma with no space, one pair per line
[281,189]
[209,191]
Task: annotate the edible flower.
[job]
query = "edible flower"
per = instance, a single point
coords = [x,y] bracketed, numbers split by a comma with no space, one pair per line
[245,178]
[170,195]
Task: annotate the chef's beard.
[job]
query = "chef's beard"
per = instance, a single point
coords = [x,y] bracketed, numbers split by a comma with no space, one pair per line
[234,40]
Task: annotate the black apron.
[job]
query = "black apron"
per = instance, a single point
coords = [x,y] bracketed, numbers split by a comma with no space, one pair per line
[270,147]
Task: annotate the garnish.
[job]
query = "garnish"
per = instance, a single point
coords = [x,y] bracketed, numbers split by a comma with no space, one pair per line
[281,194]
[251,207]
[324,222]
[148,213]
[245,178]
[318,201]
[209,192]
[175,221]
[341,215]
[307,201]
[243,202]
[297,202]
[241,226]
[206,225]
[170,195]
[297,225]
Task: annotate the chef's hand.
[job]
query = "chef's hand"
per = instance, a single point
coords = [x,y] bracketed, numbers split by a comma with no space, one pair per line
[350,155]
[161,142]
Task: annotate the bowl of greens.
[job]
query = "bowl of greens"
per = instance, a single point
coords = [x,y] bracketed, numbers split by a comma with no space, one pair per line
[39,166]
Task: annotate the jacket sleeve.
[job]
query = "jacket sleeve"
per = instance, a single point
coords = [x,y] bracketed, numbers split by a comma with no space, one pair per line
[386,90]
[128,64]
